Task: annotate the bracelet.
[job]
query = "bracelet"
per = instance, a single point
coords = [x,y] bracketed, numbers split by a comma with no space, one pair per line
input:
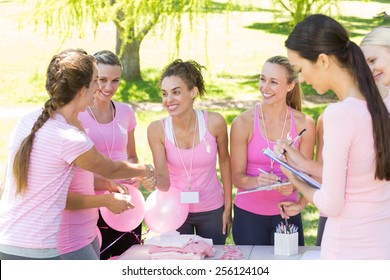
[150,168]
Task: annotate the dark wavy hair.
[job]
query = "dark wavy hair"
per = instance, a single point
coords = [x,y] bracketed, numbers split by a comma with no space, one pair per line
[189,71]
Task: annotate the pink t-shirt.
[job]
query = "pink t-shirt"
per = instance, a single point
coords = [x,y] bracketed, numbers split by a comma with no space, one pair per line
[111,139]
[204,177]
[32,220]
[357,205]
[78,227]
[263,202]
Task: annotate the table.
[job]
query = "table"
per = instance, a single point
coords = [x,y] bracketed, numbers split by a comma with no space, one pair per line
[249,252]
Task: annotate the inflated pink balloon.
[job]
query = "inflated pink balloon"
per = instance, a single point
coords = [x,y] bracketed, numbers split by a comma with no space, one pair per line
[99,235]
[164,211]
[129,219]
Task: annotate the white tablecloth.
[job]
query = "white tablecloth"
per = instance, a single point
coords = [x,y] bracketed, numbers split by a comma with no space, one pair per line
[249,252]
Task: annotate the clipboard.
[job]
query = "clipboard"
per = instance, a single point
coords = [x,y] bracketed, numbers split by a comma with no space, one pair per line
[264,188]
[269,153]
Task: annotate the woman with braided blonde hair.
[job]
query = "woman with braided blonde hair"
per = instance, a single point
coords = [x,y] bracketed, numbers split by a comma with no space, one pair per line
[44,149]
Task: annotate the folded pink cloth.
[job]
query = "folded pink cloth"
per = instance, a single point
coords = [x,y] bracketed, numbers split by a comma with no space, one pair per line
[173,245]
[232,253]
[196,247]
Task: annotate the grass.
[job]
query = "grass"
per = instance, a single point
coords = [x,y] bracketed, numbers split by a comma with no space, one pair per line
[233,52]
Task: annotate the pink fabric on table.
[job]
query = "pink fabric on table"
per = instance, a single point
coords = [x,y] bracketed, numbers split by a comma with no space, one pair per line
[232,253]
[196,247]
[173,245]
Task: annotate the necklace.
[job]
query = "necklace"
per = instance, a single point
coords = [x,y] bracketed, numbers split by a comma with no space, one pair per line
[192,152]
[265,132]
[109,152]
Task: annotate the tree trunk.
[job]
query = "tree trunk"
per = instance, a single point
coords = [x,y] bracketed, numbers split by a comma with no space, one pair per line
[130,58]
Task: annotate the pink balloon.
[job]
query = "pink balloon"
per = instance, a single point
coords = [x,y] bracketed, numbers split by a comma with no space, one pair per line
[129,219]
[164,211]
[99,235]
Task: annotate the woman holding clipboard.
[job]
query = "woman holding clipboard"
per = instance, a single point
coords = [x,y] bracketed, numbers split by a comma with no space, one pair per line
[256,213]
[355,191]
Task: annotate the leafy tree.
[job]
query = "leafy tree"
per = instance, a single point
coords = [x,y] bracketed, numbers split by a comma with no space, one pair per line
[133,20]
[299,9]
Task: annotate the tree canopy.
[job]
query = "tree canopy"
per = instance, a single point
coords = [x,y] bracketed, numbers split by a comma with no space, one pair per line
[133,20]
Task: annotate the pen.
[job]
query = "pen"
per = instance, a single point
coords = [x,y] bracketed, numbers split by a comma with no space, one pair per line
[285,220]
[265,172]
[293,141]
[297,137]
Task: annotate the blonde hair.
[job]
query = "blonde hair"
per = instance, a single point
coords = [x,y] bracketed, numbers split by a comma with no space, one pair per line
[294,96]
[378,36]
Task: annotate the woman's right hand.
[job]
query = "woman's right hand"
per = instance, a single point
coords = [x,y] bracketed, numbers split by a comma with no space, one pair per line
[150,180]
[266,179]
[290,154]
[117,202]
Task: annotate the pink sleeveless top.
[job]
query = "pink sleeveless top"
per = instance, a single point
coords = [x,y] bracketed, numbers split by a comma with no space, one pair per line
[264,202]
[204,177]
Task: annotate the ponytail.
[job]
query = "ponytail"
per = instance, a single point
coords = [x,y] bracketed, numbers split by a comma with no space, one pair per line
[378,111]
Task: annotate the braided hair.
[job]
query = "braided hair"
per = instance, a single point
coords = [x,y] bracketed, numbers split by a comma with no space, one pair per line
[68,72]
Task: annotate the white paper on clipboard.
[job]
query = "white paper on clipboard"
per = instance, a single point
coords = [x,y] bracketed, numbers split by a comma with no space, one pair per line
[264,188]
[268,152]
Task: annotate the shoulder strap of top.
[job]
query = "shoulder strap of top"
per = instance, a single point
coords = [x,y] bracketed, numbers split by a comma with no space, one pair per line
[201,123]
[292,119]
[256,118]
[168,128]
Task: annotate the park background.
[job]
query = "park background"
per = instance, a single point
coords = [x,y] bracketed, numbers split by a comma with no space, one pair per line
[232,45]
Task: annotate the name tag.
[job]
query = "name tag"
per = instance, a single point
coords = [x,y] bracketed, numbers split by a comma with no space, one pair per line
[189,197]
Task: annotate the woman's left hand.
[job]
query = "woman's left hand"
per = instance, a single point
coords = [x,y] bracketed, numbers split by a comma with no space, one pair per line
[226,221]
[290,209]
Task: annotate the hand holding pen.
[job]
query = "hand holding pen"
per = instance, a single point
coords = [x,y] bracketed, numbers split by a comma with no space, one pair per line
[292,142]
[282,189]
[265,172]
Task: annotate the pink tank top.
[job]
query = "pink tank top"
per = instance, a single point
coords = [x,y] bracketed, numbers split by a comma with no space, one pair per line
[204,177]
[263,202]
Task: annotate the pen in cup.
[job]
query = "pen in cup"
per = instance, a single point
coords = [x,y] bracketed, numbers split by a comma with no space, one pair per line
[285,220]
[265,172]
[294,140]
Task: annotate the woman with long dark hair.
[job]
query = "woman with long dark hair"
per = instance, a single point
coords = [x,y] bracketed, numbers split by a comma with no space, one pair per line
[355,192]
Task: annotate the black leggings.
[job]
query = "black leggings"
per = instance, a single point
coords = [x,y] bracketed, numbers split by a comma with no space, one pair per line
[254,229]
[109,235]
[205,224]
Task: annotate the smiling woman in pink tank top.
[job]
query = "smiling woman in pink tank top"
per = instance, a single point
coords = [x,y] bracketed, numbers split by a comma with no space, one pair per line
[278,116]
[185,147]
